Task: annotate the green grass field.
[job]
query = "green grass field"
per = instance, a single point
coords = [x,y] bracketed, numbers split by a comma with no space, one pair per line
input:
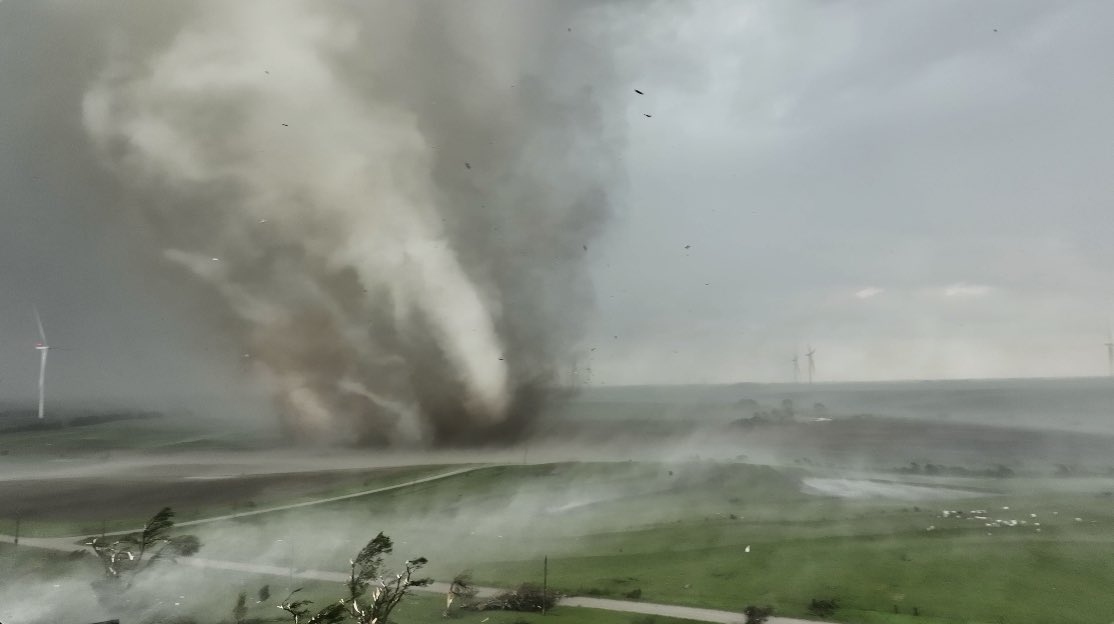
[161,434]
[675,540]
[342,483]
[678,533]
[42,568]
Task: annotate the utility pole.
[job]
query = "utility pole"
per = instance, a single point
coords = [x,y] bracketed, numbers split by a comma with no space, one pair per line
[290,546]
[545,582]
[17,520]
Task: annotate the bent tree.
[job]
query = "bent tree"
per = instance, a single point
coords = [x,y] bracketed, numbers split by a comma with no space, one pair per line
[126,557]
[372,594]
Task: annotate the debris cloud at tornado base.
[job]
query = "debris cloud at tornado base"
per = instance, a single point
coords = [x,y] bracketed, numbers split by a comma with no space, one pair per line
[386,201]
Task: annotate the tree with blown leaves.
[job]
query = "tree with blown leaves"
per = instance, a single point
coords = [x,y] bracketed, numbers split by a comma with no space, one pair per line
[125,557]
[461,592]
[372,595]
[299,611]
[240,609]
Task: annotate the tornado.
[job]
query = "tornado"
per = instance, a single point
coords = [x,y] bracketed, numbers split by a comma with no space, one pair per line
[387,203]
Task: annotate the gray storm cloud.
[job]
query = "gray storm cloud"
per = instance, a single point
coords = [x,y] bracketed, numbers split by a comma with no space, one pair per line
[388,202]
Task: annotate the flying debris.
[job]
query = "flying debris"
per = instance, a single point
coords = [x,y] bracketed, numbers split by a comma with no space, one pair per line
[585,247]
[747,549]
[215,259]
[286,125]
[647,115]
[467,166]
[639,92]
[688,246]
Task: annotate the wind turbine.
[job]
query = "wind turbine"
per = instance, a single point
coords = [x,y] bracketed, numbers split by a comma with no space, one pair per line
[811,362]
[43,348]
[1110,350]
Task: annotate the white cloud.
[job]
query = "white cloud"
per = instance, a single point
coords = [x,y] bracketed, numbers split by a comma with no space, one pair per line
[962,289]
[871,291]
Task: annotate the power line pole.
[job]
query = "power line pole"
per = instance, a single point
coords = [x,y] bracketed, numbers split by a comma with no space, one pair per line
[545,582]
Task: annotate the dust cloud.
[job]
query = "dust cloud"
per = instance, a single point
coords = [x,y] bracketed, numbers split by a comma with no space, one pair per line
[388,202]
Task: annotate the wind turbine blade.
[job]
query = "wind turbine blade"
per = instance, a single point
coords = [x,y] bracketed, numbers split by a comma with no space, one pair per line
[42,382]
[39,321]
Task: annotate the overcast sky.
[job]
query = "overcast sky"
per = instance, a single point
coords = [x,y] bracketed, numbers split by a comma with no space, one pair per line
[916,189]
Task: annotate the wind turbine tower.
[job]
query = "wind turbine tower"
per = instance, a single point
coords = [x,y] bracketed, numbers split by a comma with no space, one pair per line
[43,348]
[810,353]
[796,368]
[1110,351]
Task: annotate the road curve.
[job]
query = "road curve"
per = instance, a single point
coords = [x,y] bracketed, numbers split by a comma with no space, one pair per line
[603,604]
[625,606]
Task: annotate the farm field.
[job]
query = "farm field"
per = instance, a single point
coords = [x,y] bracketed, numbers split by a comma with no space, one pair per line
[715,515]
[715,535]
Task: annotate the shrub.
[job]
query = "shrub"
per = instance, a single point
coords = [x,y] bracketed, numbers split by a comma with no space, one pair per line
[757,615]
[823,608]
[527,597]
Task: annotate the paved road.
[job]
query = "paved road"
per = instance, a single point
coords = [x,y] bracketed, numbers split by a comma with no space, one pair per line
[72,541]
[692,613]
[624,606]
[333,499]
[605,604]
